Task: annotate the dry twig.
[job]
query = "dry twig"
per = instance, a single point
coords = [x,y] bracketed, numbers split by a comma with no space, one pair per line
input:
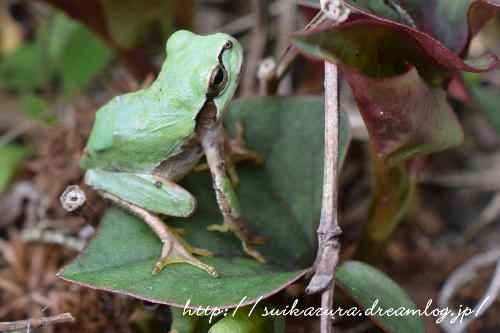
[488,216]
[461,276]
[329,230]
[271,79]
[17,131]
[258,45]
[34,323]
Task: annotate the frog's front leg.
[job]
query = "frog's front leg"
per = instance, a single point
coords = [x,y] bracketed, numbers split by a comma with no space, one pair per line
[212,140]
[142,194]
[235,151]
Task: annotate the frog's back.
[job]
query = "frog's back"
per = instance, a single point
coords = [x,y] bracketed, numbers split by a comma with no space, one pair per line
[135,132]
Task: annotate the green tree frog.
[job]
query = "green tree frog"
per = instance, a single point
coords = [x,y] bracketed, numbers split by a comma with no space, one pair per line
[143,142]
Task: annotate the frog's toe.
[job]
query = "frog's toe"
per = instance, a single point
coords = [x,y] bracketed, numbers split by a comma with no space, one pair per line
[189,259]
[194,250]
[225,227]
[178,251]
[201,252]
[179,231]
[258,241]
[253,253]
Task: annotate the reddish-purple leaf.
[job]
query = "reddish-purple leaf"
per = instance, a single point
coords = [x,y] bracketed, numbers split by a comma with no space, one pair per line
[452,22]
[380,48]
[404,116]
[397,56]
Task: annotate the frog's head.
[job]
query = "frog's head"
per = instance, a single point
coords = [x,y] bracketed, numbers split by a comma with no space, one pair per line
[206,68]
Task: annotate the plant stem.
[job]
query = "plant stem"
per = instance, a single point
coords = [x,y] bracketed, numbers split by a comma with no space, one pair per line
[284,63]
[33,323]
[328,231]
[393,187]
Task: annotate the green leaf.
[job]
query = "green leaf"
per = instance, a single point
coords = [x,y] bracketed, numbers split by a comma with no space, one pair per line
[367,285]
[185,323]
[34,106]
[61,47]
[249,320]
[10,157]
[81,59]
[487,99]
[280,200]
[23,69]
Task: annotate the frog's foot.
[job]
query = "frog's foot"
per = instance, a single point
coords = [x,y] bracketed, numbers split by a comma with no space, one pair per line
[237,148]
[244,237]
[225,227]
[236,151]
[175,249]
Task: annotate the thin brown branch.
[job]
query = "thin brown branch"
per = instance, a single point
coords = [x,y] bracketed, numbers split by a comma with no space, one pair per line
[271,77]
[260,36]
[326,303]
[7,326]
[328,231]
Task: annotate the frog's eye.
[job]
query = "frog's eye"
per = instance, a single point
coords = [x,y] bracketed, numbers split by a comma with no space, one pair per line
[218,80]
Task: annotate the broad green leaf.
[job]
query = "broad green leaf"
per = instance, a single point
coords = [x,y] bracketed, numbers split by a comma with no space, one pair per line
[249,320]
[76,53]
[126,28]
[280,200]
[372,289]
[61,48]
[81,59]
[10,157]
[23,69]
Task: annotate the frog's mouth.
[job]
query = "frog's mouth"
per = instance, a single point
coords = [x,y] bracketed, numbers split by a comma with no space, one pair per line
[207,115]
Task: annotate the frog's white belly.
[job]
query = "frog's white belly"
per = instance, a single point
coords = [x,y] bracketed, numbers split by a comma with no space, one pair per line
[177,166]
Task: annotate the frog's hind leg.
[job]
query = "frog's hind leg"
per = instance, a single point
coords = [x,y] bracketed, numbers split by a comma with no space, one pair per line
[175,249]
